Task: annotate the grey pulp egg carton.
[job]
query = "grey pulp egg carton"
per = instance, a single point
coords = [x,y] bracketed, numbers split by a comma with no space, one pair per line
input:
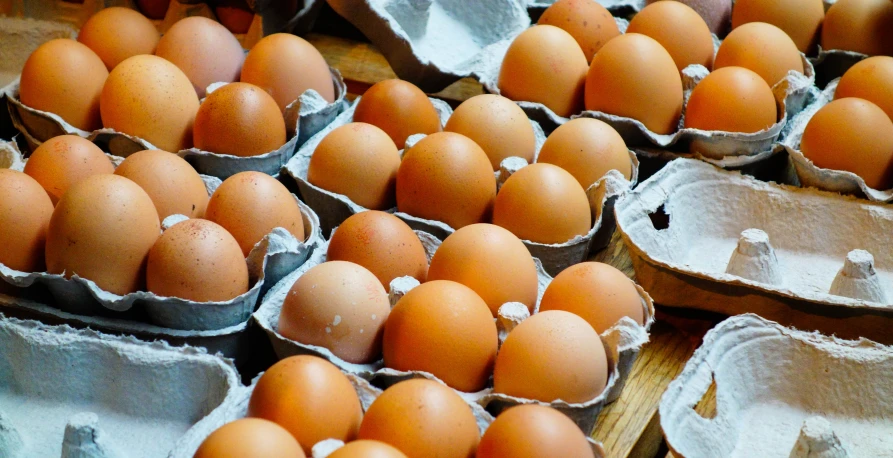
[622,342]
[80,393]
[781,393]
[701,237]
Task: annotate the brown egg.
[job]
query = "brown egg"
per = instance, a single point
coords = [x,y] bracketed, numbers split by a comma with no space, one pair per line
[239,119]
[25,211]
[338,305]
[533,430]
[285,66]
[367,449]
[491,261]
[423,419]
[587,149]
[359,161]
[762,48]
[497,125]
[635,77]
[250,205]
[716,13]
[250,437]
[800,19]
[550,356]
[63,161]
[543,203]
[64,77]
[854,135]
[174,186]
[150,98]
[299,391]
[382,243]
[204,50]
[153,9]
[102,230]
[679,29]
[117,33]
[444,328]
[235,15]
[545,65]
[596,292]
[870,79]
[446,177]
[199,261]
[731,99]
[399,108]
[859,25]
[589,23]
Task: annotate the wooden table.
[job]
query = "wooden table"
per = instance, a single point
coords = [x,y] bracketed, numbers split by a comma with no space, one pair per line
[630,426]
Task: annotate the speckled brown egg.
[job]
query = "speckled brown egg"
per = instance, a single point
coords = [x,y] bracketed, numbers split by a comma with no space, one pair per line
[174,186]
[731,99]
[117,33]
[679,29]
[204,50]
[800,19]
[239,119]
[762,48]
[63,161]
[533,430]
[587,149]
[497,125]
[367,449]
[25,211]
[870,79]
[589,23]
[716,13]
[399,108]
[64,77]
[859,25]
[250,437]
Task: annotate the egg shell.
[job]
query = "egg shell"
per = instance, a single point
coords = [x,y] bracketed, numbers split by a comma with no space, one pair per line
[870,79]
[731,99]
[117,33]
[398,108]
[64,161]
[679,29]
[762,48]
[367,449]
[25,211]
[239,119]
[250,437]
[800,19]
[497,125]
[587,149]
[861,26]
[235,15]
[153,9]
[533,430]
[174,186]
[588,22]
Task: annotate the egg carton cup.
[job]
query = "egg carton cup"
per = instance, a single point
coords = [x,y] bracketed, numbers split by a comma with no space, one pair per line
[831,64]
[10,156]
[781,392]
[704,238]
[78,393]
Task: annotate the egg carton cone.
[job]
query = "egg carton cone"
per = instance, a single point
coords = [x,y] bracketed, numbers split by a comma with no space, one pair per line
[81,393]
[10,156]
[781,392]
[704,238]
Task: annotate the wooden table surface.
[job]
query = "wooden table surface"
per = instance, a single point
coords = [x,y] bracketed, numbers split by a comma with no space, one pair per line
[630,426]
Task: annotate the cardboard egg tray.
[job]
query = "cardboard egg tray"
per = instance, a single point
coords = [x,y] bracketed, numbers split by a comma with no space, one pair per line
[701,237]
[781,392]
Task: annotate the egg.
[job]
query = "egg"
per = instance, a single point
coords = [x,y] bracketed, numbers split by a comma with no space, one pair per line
[174,186]
[533,430]
[382,243]
[800,19]
[239,119]
[870,79]
[862,26]
[422,418]
[153,9]
[64,77]
[25,211]
[596,292]
[250,437]
[716,13]
[399,108]
[102,229]
[446,177]
[235,15]
[443,328]
[544,64]
[117,33]
[679,29]
[497,125]
[299,392]
[285,66]
[367,449]
[587,149]
[491,261]
[635,77]
[251,204]
[204,50]
[589,23]
[762,48]
[731,99]
[360,161]
[150,98]
[63,161]
[543,203]
[854,135]
[340,306]
[550,356]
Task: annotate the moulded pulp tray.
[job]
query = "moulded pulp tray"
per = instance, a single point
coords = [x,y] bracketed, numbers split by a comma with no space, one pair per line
[782,393]
[683,225]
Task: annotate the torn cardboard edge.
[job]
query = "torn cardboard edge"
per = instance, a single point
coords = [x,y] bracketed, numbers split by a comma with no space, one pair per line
[657,223]
[761,371]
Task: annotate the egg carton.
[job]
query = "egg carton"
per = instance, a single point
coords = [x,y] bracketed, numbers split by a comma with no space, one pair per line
[701,237]
[781,392]
[79,393]
[622,341]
